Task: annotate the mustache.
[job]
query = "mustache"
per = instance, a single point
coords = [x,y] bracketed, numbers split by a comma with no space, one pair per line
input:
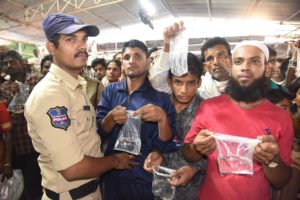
[81,53]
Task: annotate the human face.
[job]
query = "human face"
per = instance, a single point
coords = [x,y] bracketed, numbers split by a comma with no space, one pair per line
[100,71]
[71,54]
[270,66]
[297,99]
[12,66]
[153,56]
[113,72]
[218,62]
[135,62]
[248,65]
[275,71]
[119,57]
[46,66]
[184,87]
[286,104]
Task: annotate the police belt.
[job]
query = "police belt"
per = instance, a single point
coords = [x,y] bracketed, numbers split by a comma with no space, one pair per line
[76,193]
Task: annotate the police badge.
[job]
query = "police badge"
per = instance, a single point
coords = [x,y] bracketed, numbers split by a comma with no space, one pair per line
[59,117]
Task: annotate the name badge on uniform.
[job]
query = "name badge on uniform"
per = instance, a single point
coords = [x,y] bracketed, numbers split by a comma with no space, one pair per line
[86,107]
[59,117]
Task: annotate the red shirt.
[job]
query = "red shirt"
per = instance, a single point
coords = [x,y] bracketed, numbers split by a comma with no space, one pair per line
[5,125]
[222,115]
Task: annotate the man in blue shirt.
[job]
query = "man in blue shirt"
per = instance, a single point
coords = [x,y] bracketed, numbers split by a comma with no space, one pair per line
[157,130]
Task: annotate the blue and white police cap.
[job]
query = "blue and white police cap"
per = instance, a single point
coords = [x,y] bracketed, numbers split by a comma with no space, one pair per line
[59,23]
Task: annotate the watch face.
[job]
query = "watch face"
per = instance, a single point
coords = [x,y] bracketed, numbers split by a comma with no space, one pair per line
[272,164]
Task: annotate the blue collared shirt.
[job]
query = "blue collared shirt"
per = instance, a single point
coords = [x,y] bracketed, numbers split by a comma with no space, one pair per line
[117,94]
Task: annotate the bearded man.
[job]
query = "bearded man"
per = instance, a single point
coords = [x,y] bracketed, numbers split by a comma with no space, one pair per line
[243,111]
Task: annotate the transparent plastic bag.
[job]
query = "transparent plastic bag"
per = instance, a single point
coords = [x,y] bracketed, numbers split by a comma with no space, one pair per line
[235,154]
[160,184]
[129,138]
[12,188]
[178,55]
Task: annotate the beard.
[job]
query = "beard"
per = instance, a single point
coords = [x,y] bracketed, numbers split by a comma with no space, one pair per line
[249,94]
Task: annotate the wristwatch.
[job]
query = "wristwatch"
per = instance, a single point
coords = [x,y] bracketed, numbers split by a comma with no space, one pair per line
[272,164]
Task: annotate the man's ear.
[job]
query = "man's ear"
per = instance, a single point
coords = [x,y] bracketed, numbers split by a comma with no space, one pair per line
[50,47]
[199,82]
[169,82]
[148,62]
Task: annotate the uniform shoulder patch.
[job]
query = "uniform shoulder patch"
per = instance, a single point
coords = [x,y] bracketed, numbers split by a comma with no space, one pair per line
[59,117]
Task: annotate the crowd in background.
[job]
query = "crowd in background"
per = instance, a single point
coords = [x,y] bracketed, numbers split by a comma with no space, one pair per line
[17,79]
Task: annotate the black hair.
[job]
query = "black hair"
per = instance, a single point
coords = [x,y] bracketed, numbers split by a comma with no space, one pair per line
[45,58]
[272,51]
[98,61]
[295,86]
[195,66]
[284,67]
[136,44]
[213,42]
[277,95]
[54,40]
[13,54]
[118,63]
[116,54]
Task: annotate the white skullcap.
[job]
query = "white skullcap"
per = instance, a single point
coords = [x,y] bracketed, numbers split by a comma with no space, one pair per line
[254,43]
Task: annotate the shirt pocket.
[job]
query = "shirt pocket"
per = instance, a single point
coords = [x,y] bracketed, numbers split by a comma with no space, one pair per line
[83,121]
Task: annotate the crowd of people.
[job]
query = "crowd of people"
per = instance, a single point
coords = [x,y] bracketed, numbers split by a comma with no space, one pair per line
[60,122]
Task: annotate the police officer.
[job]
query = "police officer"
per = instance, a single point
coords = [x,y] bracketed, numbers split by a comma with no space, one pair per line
[61,120]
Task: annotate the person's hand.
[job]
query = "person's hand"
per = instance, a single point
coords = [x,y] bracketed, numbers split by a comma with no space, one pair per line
[267,150]
[119,115]
[153,159]
[151,113]
[204,142]
[182,176]
[171,32]
[7,172]
[124,161]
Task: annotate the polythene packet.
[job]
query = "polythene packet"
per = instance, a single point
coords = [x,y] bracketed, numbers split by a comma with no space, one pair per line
[235,154]
[178,54]
[129,138]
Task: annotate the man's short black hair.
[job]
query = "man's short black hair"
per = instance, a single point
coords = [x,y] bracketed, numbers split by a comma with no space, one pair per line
[272,52]
[118,63]
[98,61]
[13,54]
[277,95]
[45,58]
[213,42]
[195,66]
[295,86]
[136,44]
[54,40]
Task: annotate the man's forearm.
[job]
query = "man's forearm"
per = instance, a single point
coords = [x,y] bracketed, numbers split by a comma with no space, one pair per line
[108,123]
[89,167]
[279,175]
[165,131]
[190,154]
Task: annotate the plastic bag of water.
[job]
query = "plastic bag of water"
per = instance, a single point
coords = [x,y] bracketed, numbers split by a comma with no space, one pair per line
[235,154]
[160,184]
[129,138]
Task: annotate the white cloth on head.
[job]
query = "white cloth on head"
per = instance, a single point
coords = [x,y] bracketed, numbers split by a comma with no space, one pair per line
[254,43]
[210,87]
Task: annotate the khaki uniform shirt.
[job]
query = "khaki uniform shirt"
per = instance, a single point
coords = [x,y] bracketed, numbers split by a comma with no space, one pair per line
[62,126]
